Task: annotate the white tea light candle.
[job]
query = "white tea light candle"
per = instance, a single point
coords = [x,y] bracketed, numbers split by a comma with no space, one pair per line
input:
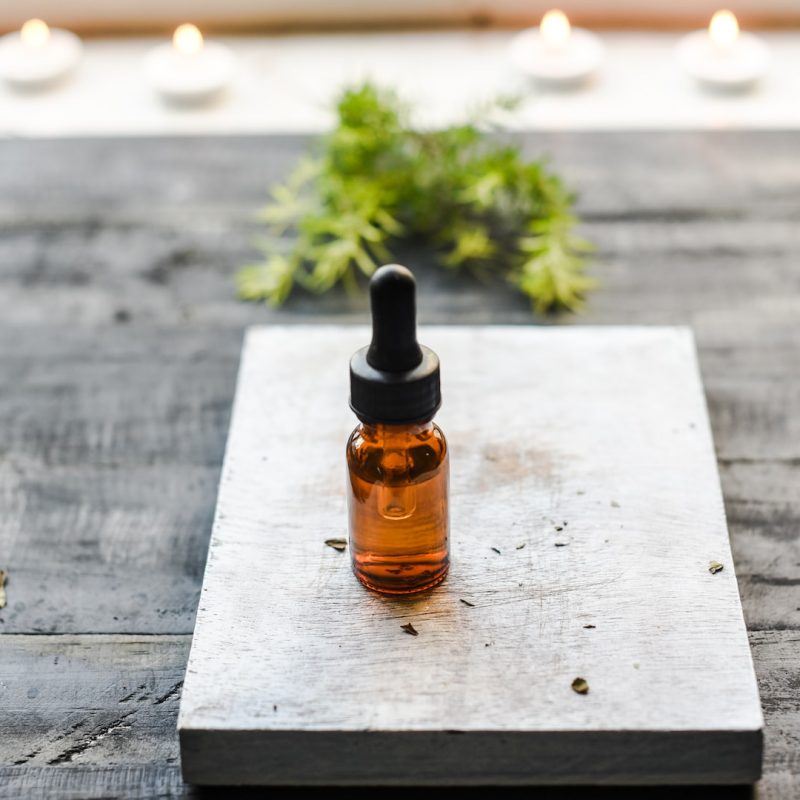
[555,53]
[189,70]
[37,56]
[723,57]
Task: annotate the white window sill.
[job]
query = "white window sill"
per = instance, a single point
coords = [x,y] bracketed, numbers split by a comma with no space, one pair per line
[287,83]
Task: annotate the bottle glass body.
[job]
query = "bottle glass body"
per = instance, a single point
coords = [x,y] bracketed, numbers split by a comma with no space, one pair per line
[397,501]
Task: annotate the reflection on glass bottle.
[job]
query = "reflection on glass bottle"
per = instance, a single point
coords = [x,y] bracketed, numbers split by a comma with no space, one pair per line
[397,496]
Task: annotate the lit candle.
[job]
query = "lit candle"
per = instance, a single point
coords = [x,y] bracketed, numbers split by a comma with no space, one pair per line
[555,53]
[722,56]
[555,30]
[189,70]
[37,55]
[723,31]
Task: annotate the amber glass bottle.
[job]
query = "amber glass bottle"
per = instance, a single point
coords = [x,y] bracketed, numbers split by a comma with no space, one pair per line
[397,457]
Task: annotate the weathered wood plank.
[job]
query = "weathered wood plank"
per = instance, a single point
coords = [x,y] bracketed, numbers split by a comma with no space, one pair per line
[159,237]
[181,271]
[90,700]
[42,695]
[165,783]
[763,508]
[602,430]
[125,782]
[714,173]
[778,668]
[108,471]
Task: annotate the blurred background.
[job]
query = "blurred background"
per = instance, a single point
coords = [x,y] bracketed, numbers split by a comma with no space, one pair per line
[290,58]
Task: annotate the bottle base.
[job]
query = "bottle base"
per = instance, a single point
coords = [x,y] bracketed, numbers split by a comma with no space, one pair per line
[389,579]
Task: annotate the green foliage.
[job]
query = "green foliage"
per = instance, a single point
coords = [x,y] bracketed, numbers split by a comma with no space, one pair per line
[378,180]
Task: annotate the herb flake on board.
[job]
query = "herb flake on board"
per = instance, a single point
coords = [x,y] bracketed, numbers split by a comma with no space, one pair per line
[466,602]
[714,567]
[339,545]
[496,550]
[410,629]
[580,686]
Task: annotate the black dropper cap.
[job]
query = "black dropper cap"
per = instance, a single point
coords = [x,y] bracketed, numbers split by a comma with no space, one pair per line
[394,380]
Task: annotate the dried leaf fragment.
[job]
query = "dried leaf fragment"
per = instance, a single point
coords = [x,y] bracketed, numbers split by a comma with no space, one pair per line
[337,544]
[520,546]
[409,628]
[589,626]
[561,544]
[466,602]
[714,567]
[2,589]
[580,685]
[496,550]
[614,504]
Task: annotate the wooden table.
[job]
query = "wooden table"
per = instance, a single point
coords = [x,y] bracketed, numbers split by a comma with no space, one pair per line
[119,343]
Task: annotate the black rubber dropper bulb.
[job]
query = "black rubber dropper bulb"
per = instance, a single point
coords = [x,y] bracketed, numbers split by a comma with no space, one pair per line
[394,379]
[394,346]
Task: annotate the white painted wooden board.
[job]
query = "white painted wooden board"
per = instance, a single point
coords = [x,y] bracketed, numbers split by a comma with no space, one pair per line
[298,674]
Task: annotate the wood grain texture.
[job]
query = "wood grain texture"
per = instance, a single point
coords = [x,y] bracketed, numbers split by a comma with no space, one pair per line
[116,259]
[583,457]
[110,466]
[159,781]
[89,700]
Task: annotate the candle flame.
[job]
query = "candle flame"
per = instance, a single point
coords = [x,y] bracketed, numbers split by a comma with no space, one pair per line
[723,30]
[187,39]
[34,33]
[555,28]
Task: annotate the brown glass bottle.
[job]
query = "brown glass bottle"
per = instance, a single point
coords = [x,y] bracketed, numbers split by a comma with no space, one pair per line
[397,458]
[397,502]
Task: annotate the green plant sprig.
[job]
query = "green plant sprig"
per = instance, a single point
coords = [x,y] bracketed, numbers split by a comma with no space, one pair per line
[379,180]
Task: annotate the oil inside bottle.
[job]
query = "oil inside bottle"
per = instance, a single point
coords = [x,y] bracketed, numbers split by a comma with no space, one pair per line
[398,506]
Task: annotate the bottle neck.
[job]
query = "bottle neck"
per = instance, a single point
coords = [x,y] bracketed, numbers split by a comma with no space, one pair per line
[383,432]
